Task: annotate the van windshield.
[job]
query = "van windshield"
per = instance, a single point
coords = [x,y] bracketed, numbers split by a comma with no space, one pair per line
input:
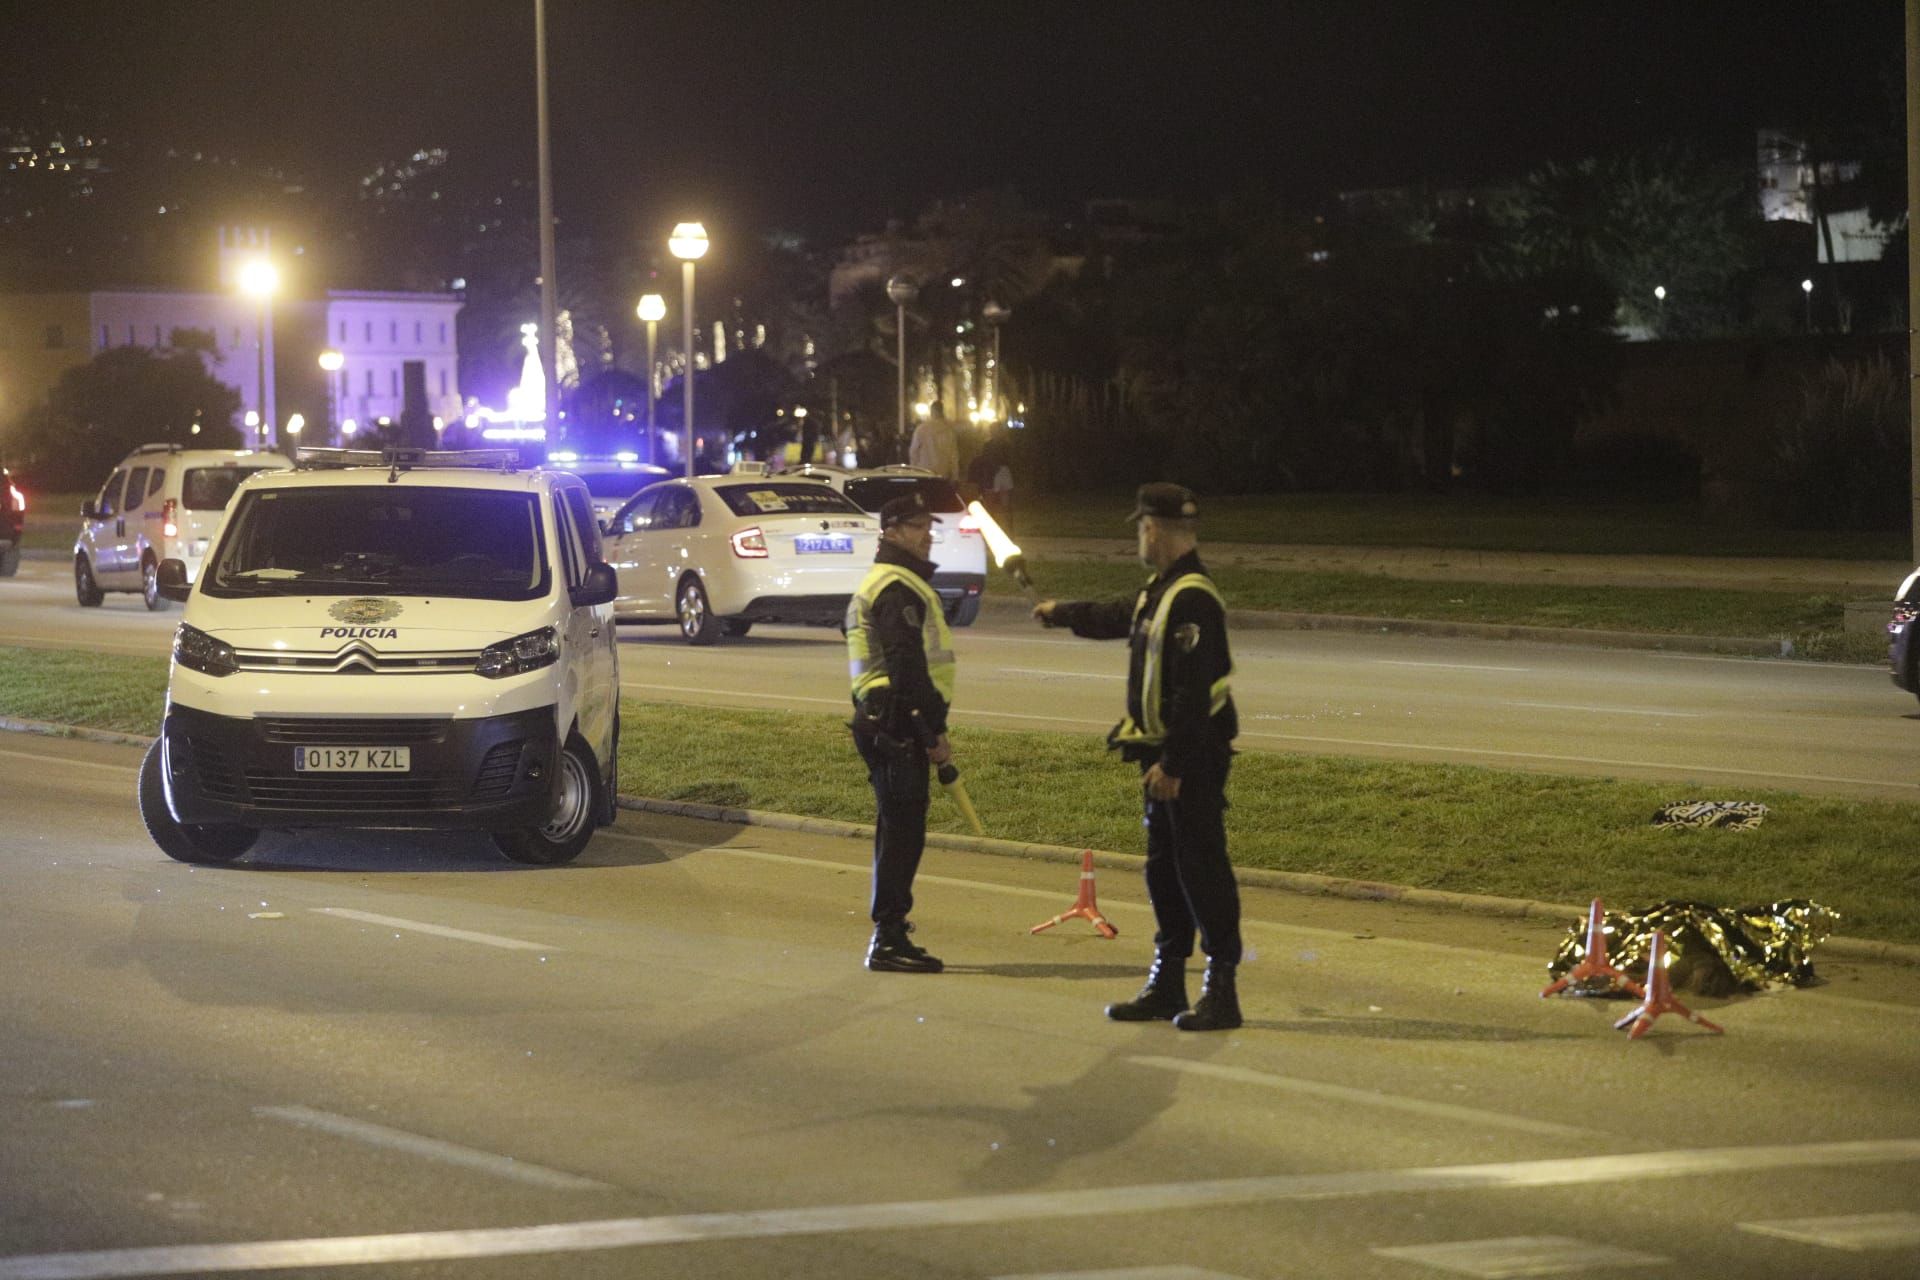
[211,488]
[339,540]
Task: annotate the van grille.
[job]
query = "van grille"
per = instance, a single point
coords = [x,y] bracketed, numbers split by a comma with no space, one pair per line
[349,793]
[358,659]
[370,732]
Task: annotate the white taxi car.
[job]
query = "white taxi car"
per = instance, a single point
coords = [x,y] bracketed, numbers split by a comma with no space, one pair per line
[959,549]
[717,554]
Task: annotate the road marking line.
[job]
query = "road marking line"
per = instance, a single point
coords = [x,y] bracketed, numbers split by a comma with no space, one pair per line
[1367,1097]
[380,1135]
[1413,751]
[1616,711]
[968,714]
[984,1210]
[1855,1233]
[1445,666]
[437,930]
[1515,1256]
[1077,675]
[1176,1272]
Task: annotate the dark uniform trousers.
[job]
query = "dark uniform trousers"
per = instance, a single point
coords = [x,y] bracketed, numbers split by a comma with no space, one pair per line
[900,791]
[1189,878]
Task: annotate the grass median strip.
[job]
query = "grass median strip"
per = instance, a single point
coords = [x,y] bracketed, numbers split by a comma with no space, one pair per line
[1460,828]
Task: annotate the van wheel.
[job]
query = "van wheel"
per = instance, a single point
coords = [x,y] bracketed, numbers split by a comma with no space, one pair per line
[697,622]
[965,612]
[572,823]
[210,845]
[150,585]
[85,589]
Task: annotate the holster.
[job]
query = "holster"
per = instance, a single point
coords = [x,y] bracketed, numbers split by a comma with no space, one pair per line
[875,731]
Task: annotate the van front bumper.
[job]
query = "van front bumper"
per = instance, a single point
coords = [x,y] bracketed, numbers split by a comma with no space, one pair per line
[493,773]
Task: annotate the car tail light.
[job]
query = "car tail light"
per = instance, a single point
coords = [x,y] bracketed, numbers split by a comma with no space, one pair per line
[968,524]
[749,544]
[168,525]
[17,498]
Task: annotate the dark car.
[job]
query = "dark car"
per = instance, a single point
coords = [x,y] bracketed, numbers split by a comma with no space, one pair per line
[13,518]
[1903,650]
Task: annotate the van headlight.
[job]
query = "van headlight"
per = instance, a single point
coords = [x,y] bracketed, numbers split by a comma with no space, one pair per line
[517,656]
[195,650]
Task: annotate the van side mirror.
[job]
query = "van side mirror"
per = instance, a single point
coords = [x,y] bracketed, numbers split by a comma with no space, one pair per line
[170,578]
[600,586]
[89,511]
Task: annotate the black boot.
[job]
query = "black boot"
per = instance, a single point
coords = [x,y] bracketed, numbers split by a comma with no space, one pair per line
[892,952]
[1219,1006]
[1164,995]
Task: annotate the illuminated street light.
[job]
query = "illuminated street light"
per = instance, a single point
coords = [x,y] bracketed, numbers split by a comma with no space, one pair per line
[331,362]
[260,280]
[995,315]
[1806,287]
[688,242]
[652,309]
[902,289]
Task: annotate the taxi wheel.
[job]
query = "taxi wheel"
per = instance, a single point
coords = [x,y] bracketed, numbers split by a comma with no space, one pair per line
[965,612]
[571,826]
[697,622]
[735,626]
[202,845]
[10,561]
[85,589]
[150,585]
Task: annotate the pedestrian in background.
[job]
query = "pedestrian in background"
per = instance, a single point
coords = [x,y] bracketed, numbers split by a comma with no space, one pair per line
[1001,503]
[935,446]
[1179,729]
[900,659]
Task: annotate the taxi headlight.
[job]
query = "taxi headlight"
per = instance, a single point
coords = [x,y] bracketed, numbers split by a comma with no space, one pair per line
[195,650]
[530,652]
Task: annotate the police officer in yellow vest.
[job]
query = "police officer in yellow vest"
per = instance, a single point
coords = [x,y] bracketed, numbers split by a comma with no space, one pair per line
[900,656]
[1179,727]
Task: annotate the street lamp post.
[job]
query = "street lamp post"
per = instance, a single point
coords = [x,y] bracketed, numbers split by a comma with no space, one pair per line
[995,315]
[331,362]
[688,242]
[1806,287]
[902,290]
[652,309]
[1660,296]
[259,278]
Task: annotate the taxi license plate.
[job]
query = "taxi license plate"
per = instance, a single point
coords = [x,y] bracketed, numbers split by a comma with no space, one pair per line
[352,759]
[816,544]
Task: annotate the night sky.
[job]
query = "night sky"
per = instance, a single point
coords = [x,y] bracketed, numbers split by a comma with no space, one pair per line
[827,118]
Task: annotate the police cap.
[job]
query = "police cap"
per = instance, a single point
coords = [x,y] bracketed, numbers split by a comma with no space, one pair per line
[905,509]
[1167,501]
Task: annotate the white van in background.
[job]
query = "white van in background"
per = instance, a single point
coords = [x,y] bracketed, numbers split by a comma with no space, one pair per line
[412,639]
[162,502]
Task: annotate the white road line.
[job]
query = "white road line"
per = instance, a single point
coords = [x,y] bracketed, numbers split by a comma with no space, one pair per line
[1855,1232]
[1516,1256]
[984,1210]
[1414,750]
[763,699]
[1368,1097]
[1611,711]
[380,1135]
[1078,675]
[1175,1272]
[437,930]
[1445,666]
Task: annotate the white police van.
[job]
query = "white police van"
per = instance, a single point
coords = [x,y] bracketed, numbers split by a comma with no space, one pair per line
[408,639]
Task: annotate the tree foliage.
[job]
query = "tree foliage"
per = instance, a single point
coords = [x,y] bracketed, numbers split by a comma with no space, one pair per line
[122,398]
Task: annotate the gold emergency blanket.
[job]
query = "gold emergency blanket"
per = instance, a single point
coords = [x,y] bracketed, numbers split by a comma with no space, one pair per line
[1713,950]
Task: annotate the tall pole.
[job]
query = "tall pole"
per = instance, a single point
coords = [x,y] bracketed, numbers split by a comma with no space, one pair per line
[1913,265]
[549,293]
[266,399]
[900,330]
[686,321]
[653,328]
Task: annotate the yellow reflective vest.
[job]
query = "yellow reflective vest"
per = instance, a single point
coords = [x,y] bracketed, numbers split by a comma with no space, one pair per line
[1150,729]
[867,660]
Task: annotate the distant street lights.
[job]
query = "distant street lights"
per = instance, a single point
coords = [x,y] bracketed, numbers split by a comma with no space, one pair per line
[260,280]
[1806,287]
[688,243]
[995,316]
[902,289]
[652,309]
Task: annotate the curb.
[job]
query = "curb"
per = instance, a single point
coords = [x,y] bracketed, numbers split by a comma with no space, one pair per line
[1278,620]
[1303,882]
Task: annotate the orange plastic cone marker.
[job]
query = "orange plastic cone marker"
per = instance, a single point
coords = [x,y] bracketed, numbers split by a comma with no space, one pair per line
[1594,975]
[1084,907]
[1659,996]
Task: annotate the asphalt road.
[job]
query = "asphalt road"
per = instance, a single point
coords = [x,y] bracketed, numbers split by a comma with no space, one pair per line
[402,1054]
[1715,726]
